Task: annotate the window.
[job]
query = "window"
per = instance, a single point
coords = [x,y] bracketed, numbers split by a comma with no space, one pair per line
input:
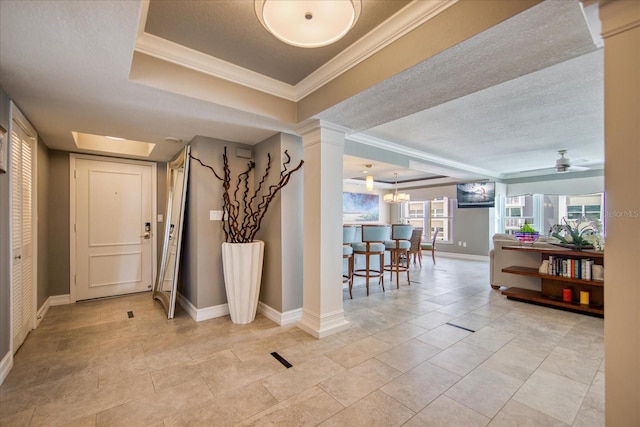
[543,211]
[440,215]
[518,210]
[589,206]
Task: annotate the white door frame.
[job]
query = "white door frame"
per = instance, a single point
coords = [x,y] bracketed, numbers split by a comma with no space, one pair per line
[16,114]
[72,214]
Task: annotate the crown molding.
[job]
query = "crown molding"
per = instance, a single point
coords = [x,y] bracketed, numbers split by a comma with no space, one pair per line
[416,154]
[180,55]
[405,20]
[402,22]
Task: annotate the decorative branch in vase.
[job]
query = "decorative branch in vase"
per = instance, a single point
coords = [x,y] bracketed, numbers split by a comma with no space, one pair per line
[242,255]
[243,215]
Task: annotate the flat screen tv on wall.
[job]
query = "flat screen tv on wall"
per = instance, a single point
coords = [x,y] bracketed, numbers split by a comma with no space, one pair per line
[476,195]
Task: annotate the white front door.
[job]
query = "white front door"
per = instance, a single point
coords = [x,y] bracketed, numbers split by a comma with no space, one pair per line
[114,228]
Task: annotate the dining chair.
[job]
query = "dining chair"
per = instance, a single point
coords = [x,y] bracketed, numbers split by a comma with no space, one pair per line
[415,250]
[431,246]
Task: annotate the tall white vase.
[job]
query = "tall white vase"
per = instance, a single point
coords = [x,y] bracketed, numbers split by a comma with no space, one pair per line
[242,265]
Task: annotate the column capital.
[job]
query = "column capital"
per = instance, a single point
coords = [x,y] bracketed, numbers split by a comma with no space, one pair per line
[316,132]
[311,125]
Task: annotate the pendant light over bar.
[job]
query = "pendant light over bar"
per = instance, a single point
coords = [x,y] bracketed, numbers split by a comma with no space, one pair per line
[396,197]
[308,23]
[368,182]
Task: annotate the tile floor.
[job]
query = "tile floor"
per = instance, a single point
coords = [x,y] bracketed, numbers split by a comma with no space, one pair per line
[400,363]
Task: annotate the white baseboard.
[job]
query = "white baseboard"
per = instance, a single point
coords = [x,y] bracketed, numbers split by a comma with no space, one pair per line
[51,302]
[42,311]
[5,366]
[200,314]
[469,257]
[286,318]
[59,300]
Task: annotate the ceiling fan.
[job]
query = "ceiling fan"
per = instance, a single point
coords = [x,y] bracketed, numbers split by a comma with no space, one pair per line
[563,164]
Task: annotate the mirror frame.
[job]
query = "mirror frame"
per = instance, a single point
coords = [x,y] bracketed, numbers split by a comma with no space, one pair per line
[168,298]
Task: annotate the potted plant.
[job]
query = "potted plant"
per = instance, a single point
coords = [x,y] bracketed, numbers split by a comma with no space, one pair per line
[243,211]
[579,234]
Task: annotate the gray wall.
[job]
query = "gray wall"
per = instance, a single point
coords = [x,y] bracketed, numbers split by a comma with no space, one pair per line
[292,224]
[5,303]
[202,279]
[43,222]
[469,225]
[281,228]
[161,177]
[58,232]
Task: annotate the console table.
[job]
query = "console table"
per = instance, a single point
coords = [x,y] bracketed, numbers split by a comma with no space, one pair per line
[552,286]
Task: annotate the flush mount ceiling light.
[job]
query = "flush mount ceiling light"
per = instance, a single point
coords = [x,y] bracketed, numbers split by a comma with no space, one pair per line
[396,197]
[308,23]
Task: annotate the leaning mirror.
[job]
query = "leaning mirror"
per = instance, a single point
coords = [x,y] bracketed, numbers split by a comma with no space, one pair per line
[167,281]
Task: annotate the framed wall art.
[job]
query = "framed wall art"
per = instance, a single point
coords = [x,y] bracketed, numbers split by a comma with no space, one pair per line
[359,207]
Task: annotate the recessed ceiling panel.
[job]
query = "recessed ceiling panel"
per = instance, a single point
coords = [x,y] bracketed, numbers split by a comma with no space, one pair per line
[229,30]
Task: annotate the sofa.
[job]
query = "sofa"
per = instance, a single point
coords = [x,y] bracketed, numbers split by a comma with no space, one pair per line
[499,259]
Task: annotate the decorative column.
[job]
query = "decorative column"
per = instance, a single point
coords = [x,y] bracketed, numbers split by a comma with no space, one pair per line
[322,312]
[621,33]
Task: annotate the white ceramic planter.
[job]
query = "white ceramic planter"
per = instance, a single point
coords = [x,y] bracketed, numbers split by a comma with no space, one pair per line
[242,265]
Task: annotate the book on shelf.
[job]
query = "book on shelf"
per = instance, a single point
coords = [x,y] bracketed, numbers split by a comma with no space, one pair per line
[570,267]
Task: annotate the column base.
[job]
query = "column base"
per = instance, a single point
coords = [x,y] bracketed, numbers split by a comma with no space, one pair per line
[322,326]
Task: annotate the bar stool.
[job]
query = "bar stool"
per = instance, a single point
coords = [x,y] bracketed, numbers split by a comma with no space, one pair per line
[398,246]
[348,236]
[373,238]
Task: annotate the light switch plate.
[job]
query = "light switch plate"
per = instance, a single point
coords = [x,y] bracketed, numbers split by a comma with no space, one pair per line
[215,215]
[160,218]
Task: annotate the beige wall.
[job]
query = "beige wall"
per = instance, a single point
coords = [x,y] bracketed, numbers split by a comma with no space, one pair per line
[621,31]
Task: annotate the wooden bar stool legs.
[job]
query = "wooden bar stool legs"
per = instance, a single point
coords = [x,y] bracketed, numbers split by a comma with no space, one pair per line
[348,236]
[372,244]
[398,247]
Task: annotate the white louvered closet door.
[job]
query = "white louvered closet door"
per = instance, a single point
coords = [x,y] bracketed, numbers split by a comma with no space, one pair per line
[22,152]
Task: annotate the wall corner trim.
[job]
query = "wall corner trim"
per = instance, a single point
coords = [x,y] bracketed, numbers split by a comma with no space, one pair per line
[42,311]
[282,319]
[200,314]
[58,300]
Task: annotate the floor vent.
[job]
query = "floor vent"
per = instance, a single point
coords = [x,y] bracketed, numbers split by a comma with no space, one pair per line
[460,327]
[282,360]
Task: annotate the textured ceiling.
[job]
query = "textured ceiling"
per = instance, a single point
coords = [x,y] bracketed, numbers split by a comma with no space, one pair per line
[501,102]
